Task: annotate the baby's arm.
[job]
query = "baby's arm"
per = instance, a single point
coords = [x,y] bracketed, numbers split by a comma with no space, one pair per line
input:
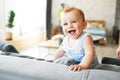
[118,49]
[89,55]
[118,52]
[59,53]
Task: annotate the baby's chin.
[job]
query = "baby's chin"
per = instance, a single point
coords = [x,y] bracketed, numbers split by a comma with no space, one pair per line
[73,36]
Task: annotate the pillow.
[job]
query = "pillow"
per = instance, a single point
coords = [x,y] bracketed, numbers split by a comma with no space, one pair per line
[94,25]
[7,47]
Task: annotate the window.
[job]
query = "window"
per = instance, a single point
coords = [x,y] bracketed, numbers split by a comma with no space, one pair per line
[30,15]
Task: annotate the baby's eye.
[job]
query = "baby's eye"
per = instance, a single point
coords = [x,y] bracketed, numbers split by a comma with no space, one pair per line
[74,21]
[65,24]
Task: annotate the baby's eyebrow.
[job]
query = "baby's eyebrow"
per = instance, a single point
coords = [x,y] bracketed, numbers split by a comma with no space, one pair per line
[75,19]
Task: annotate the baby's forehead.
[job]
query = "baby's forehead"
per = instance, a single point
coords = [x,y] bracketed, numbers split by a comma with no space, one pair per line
[71,15]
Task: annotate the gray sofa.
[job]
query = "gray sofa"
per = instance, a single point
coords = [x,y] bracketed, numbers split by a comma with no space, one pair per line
[17,68]
[14,66]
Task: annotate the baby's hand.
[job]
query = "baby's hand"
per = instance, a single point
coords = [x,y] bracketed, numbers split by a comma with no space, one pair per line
[75,67]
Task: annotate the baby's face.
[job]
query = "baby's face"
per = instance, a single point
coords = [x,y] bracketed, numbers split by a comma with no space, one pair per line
[72,23]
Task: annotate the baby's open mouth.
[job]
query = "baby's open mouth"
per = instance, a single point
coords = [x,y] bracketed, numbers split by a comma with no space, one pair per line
[71,31]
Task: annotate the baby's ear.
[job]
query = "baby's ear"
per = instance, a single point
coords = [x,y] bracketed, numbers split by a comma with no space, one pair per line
[84,25]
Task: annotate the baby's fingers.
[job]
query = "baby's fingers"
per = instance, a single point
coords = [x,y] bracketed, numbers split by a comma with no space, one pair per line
[75,68]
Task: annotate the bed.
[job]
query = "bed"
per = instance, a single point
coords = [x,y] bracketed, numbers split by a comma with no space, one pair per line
[97,29]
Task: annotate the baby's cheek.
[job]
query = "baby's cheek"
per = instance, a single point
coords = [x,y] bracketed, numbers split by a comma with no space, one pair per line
[64,31]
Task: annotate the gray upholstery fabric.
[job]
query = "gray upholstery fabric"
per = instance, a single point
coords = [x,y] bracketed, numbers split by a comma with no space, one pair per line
[107,67]
[103,75]
[16,68]
[68,61]
[64,60]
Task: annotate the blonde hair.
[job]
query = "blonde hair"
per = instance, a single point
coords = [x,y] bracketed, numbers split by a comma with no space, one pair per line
[68,9]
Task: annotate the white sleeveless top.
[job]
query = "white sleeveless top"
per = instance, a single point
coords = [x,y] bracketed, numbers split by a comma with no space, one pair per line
[77,52]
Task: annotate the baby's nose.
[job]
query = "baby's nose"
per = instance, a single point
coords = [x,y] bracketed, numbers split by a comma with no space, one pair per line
[70,25]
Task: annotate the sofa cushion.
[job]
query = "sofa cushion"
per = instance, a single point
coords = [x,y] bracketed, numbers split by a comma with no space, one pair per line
[16,68]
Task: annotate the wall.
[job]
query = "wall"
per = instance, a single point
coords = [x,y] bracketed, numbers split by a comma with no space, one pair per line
[30,14]
[2,18]
[93,9]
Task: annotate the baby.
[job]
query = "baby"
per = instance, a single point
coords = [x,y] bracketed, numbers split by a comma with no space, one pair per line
[77,44]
